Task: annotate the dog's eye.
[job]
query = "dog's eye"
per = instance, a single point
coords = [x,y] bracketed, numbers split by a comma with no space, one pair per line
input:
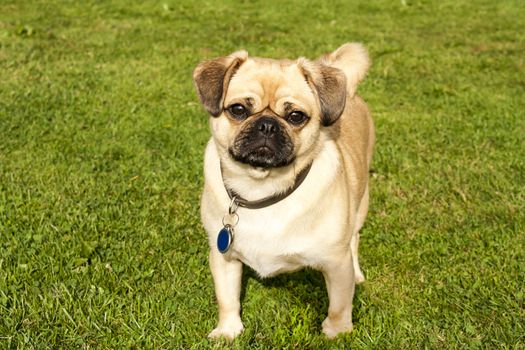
[238,111]
[296,117]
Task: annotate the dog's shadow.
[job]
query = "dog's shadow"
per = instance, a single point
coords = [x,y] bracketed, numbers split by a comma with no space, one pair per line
[307,287]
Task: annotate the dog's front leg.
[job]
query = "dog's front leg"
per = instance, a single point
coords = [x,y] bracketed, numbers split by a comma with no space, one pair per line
[227,277]
[340,284]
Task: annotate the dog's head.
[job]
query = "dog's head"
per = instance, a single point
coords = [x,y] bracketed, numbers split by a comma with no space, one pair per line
[266,113]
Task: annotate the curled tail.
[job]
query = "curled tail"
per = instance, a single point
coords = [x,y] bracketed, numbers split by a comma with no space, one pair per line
[353,60]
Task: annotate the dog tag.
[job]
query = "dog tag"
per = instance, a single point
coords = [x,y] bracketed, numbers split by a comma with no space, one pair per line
[224,238]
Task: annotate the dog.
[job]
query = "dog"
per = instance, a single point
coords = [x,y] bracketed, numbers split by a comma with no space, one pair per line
[285,174]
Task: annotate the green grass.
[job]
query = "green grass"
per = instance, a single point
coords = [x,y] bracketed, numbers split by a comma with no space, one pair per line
[101,144]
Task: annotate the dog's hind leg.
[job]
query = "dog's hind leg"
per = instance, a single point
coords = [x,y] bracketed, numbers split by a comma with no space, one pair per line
[354,242]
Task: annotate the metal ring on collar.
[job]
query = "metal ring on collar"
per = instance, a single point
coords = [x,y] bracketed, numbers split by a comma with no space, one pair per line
[233,206]
[236,221]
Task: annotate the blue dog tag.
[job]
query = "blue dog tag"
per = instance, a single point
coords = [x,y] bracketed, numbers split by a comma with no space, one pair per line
[224,239]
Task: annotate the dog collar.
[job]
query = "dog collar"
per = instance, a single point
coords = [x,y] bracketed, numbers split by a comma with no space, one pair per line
[267,201]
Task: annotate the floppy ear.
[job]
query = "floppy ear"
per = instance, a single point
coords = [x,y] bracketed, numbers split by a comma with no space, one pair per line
[212,77]
[330,85]
[353,60]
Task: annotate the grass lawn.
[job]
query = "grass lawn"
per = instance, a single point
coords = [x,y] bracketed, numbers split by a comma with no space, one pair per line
[101,147]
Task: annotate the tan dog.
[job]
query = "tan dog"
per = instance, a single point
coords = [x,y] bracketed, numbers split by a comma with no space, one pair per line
[286,174]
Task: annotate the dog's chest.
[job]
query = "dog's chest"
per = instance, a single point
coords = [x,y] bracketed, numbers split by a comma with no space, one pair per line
[274,242]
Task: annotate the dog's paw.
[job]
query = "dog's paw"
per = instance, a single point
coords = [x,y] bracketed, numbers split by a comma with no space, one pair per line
[227,330]
[331,329]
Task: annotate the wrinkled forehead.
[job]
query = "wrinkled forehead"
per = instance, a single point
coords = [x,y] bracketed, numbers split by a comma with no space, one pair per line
[270,83]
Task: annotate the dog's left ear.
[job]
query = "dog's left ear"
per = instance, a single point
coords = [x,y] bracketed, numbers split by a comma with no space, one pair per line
[330,85]
[212,77]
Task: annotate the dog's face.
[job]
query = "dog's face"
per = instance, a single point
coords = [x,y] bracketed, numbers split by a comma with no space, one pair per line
[267,113]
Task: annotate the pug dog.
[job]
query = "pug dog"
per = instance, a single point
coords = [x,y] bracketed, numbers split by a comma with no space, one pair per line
[286,174]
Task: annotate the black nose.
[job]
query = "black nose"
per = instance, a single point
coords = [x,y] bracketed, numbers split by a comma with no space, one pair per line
[267,126]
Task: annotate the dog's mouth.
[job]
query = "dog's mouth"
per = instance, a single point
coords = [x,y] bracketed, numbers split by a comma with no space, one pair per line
[263,143]
[261,157]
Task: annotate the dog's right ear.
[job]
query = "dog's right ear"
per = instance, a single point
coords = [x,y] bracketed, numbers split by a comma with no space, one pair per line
[212,77]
